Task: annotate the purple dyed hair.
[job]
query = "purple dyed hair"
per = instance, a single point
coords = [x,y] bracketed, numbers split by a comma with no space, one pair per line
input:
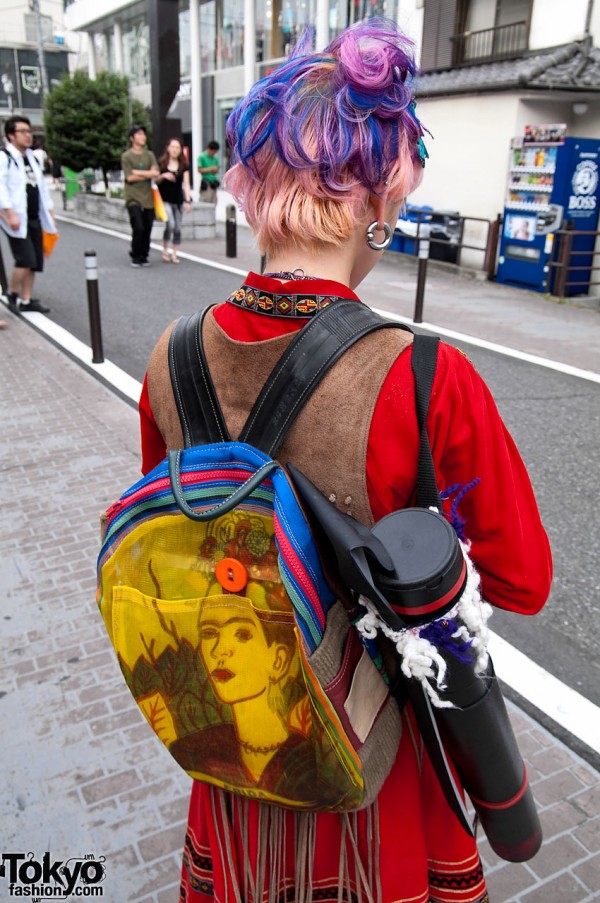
[312,140]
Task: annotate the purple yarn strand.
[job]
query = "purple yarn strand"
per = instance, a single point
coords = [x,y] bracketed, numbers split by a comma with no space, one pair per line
[439,633]
[458,522]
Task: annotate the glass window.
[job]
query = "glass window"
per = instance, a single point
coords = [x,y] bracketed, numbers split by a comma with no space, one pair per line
[101,51]
[136,51]
[224,108]
[280,22]
[208,40]
[208,36]
[231,34]
[185,66]
[345,12]
[283,22]
[31,35]
[9,84]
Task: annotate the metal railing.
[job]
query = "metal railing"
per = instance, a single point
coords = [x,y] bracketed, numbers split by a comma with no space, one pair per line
[566,264]
[487,249]
[422,241]
[499,43]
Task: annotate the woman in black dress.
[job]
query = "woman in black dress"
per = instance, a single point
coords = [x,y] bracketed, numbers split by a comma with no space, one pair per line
[174,186]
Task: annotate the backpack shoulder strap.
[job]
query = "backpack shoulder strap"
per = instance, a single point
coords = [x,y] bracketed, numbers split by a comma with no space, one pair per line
[200,414]
[424,360]
[310,355]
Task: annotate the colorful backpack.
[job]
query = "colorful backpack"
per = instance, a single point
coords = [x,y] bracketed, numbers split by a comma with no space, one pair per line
[211,588]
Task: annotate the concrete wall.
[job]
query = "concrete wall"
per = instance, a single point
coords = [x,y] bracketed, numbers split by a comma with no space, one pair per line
[468,153]
[112,213]
[468,159]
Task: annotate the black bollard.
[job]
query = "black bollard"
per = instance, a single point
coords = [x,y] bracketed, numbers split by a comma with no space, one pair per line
[423,241]
[91,278]
[230,232]
[3,277]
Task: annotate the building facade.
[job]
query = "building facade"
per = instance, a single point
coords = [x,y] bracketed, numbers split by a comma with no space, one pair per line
[211,51]
[33,55]
[488,69]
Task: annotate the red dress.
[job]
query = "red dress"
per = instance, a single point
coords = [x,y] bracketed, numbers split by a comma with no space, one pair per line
[409,844]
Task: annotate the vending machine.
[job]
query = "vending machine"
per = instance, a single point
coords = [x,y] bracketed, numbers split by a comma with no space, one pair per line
[553,180]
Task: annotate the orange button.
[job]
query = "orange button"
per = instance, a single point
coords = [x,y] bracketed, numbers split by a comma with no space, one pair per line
[231,574]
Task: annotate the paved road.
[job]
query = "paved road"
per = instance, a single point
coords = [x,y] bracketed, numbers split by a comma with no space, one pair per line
[553,418]
[136,304]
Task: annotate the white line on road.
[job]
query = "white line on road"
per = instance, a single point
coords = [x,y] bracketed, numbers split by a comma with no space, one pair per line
[492,346]
[429,327]
[565,706]
[124,236]
[123,382]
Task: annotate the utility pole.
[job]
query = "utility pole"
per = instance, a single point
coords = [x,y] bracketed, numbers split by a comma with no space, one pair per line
[35,8]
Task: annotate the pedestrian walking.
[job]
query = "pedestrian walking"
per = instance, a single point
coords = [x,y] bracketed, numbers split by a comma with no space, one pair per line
[208,167]
[174,186]
[26,211]
[139,170]
[325,151]
[39,153]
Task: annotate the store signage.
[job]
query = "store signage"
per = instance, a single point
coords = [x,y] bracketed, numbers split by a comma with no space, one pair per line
[31,79]
[583,200]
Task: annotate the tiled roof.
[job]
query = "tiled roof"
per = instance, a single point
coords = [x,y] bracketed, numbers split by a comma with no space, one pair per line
[571,67]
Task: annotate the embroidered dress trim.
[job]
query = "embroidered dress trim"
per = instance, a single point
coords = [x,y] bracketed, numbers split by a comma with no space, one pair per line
[274,304]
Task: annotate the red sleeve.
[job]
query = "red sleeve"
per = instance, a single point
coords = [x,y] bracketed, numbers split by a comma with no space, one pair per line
[153,444]
[470,443]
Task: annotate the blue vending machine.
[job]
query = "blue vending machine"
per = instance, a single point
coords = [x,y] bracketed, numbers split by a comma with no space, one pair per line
[552,180]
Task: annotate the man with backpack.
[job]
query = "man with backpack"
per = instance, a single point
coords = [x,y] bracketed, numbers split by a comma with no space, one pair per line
[25,212]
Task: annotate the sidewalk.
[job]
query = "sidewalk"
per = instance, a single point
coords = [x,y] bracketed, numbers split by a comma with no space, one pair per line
[82,774]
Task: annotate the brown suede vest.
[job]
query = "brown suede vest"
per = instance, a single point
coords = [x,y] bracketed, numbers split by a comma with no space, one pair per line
[328,441]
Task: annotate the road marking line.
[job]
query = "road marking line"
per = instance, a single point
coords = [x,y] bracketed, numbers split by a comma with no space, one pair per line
[567,369]
[492,346]
[77,349]
[564,705]
[124,236]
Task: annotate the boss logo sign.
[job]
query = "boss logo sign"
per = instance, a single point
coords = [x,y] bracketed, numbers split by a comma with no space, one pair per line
[27,876]
[584,183]
[581,202]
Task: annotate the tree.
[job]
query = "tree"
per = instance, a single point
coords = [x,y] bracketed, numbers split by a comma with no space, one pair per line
[86,120]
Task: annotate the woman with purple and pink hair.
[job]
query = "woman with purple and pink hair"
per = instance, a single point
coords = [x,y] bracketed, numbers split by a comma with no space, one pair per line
[325,149]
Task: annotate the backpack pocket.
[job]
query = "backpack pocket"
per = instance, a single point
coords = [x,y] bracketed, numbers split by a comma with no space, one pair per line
[233,646]
[223,685]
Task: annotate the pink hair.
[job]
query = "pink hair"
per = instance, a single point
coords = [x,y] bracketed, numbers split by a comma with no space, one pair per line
[318,136]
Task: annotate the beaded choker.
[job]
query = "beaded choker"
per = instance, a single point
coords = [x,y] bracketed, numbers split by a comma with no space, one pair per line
[284,304]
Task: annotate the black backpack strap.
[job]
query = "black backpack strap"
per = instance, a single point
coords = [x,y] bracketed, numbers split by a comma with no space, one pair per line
[311,354]
[424,360]
[200,413]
